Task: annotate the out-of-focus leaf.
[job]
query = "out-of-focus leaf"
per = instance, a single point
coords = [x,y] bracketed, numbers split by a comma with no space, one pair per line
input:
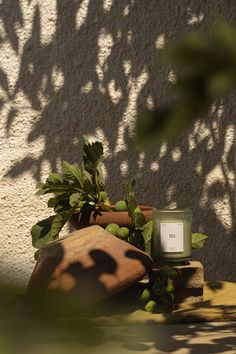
[221,83]
[191,52]
[225,36]
[154,127]
[205,70]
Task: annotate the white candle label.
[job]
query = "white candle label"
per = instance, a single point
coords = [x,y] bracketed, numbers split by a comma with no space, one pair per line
[172,236]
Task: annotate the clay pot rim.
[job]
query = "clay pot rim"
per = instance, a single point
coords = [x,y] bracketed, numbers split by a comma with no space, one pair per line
[104,218]
[142,207]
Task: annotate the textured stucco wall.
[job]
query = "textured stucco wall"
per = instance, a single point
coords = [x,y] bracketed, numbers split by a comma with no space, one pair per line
[68,67]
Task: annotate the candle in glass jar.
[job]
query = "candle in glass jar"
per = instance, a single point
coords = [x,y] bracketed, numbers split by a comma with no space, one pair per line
[172,235]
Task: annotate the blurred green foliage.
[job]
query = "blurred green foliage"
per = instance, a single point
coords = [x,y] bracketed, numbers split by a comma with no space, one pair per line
[205,70]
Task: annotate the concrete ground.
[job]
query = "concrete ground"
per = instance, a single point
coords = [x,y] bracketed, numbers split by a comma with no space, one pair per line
[196,338]
[133,332]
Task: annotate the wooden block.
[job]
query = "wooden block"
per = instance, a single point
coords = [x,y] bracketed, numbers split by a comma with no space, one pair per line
[188,295]
[190,275]
[189,282]
[90,264]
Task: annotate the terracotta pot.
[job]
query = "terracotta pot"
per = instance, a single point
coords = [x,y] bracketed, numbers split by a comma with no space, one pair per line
[107,217]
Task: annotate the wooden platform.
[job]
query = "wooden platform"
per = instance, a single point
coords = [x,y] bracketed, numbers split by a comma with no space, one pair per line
[189,282]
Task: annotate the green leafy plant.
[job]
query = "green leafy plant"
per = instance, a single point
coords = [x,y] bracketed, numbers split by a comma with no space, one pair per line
[141,229]
[159,294]
[79,189]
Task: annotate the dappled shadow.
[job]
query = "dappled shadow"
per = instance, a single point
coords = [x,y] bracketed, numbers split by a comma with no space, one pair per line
[68,285]
[141,257]
[92,76]
[214,285]
[10,21]
[191,338]
[186,331]
[84,268]
[87,285]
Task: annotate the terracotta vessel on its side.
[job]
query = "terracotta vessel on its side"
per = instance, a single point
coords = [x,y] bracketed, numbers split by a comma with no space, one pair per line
[107,217]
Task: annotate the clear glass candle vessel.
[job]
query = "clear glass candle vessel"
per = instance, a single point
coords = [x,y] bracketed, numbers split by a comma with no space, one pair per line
[172,235]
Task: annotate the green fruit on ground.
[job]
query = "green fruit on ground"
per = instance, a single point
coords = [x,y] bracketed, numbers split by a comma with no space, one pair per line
[121,206]
[167,299]
[137,210]
[102,196]
[113,229]
[172,273]
[123,233]
[151,306]
[170,288]
[158,288]
[145,295]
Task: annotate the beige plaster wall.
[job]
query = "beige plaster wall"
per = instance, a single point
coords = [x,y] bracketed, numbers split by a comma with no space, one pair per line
[68,67]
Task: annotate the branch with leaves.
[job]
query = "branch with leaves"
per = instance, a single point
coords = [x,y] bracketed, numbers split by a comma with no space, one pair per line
[141,229]
[79,189]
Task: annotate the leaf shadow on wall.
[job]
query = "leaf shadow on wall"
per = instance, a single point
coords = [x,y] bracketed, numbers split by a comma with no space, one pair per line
[92,76]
